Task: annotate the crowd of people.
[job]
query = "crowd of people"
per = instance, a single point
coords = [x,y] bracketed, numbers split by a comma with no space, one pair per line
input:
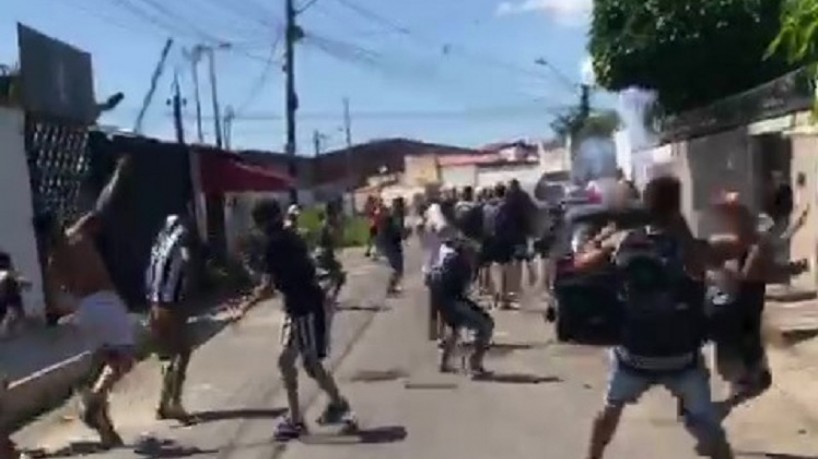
[678,292]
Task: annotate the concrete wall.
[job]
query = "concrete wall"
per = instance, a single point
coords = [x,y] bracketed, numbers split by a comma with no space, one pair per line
[16,233]
[525,173]
[805,242]
[420,170]
[709,165]
[458,176]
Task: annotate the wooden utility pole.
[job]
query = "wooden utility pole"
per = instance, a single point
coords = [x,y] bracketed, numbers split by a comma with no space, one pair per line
[350,170]
[157,73]
[217,117]
[316,142]
[194,57]
[177,103]
[293,33]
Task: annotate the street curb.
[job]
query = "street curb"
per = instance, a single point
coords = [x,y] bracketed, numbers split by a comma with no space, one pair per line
[39,392]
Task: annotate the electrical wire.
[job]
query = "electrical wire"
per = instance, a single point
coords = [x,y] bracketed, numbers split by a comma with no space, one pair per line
[448,48]
[183,21]
[472,113]
[419,73]
[307,5]
[261,81]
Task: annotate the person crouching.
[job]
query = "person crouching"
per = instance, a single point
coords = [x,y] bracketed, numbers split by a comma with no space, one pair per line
[449,283]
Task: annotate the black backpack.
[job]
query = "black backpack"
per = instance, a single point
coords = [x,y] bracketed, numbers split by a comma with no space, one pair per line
[663,325]
[504,221]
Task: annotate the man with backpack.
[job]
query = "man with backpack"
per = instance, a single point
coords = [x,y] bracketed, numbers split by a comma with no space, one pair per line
[663,327]
[469,215]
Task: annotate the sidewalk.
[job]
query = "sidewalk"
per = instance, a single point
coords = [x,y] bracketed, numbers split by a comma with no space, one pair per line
[232,376]
[44,365]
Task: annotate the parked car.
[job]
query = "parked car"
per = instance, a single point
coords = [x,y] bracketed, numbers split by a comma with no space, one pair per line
[586,304]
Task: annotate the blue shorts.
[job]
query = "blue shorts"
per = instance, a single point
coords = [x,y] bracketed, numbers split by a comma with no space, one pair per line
[691,387]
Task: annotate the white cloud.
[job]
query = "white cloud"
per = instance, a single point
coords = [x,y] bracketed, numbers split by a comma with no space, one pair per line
[569,12]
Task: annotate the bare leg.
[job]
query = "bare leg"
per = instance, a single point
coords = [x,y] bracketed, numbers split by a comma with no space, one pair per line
[449,345]
[315,370]
[289,375]
[604,428]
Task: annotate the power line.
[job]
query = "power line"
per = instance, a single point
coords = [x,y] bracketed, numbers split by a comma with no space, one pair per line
[178,18]
[262,79]
[445,47]
[419,73]
[480,112]
[307,5]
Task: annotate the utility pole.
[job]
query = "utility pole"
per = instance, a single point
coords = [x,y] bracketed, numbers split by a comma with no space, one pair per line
[229,116]
[194,57]
[217,119]
[177,103]
[293,33]
[348,136]
[316,142]
[585,102]
[157,73]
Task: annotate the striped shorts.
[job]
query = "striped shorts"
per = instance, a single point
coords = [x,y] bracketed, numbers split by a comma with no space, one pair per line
[307,334]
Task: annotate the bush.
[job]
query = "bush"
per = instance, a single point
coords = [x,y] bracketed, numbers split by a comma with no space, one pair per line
[355,229]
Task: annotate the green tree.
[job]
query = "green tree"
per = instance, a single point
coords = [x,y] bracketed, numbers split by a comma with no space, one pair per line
[692,52]
[798,39]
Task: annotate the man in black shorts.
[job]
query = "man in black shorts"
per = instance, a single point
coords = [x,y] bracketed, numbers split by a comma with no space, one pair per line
[167,279]
[290,270]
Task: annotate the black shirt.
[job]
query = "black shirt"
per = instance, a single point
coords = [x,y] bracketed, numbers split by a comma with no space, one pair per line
[287,260]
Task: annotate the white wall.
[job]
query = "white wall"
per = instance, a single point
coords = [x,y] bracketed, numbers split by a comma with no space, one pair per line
[16,213]
[526,173]
[459,176]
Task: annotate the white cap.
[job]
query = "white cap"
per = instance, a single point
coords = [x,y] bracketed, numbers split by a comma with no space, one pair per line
[293,209]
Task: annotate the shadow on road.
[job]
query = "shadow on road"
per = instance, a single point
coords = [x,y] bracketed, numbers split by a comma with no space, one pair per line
[214,416]
[518,378]
[793,337]
[152,447]
[157,448]
[373,436]
[774,455]
[373,376]
[365,308]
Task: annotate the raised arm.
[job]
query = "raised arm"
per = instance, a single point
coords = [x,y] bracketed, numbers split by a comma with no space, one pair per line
[91,223]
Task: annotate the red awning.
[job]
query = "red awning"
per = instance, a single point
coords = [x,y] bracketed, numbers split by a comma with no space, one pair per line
[222,173]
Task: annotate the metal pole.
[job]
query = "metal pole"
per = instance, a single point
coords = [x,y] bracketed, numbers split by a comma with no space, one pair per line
[316,142]
[217,119]
[177,111]
[292,34]
[194,61]
[152,90]
[229,115]
[351,181]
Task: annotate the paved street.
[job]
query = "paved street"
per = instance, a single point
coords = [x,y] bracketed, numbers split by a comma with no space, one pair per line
[539,405]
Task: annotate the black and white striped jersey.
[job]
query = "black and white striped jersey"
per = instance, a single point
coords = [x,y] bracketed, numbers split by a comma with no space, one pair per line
[168,268]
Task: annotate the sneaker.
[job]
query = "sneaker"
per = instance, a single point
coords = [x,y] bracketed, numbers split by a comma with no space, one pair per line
[480,374]
[289,430]
[334,413]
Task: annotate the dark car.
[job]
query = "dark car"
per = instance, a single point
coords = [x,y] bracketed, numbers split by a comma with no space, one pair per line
[587,304]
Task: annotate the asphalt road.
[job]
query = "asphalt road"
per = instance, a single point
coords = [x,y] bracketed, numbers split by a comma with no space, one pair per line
[539,405]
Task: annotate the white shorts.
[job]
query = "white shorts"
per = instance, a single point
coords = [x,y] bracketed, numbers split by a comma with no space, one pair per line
[104,320]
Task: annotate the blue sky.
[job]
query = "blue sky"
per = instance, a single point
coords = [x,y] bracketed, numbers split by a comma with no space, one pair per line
[451,71]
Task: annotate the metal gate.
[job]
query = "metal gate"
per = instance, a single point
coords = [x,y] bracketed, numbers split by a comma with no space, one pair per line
[58,162]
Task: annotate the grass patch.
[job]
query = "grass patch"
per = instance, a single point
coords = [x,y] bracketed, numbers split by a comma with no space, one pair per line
[355,228]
